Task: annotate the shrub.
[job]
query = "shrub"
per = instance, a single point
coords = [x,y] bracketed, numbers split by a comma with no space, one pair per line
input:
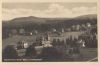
[10,52]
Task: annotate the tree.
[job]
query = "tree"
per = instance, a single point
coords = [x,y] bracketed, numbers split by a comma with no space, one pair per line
[58,42]
[73,28]
[10,52]
[54,42]
[21,31]
[14,31]
[30,51]
[67,41]
[78,27]
[83,27]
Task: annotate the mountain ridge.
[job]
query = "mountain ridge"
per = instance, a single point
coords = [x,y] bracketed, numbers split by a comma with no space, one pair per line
[33,18]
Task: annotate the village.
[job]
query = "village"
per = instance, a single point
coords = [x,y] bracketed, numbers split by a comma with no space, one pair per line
[52,46]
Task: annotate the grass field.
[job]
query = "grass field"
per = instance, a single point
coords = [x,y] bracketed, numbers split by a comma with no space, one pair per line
[89,53]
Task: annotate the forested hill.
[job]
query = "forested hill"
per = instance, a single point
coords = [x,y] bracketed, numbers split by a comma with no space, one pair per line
[32,22]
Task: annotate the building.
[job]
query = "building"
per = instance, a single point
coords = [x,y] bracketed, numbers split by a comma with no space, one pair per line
[46,41]
[22,45]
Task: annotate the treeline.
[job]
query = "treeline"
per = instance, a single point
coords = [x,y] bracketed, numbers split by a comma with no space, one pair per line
[47,26]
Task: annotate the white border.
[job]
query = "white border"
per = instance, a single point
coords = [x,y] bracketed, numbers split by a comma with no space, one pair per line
[49,63]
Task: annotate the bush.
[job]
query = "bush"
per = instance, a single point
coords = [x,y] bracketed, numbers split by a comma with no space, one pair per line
[10,53]
[30,51]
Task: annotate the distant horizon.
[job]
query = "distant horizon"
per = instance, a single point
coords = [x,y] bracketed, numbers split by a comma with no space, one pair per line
[51,17]
[47,10]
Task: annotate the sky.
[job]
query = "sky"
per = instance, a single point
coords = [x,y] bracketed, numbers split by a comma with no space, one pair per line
[12,9]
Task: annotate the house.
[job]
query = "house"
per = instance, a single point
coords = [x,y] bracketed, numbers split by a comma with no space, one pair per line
[22,45]
[46,41]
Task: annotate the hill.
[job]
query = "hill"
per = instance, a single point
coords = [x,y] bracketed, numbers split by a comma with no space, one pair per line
[46,24]
[23,21]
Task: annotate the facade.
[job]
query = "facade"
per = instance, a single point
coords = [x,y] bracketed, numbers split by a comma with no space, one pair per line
[46,41]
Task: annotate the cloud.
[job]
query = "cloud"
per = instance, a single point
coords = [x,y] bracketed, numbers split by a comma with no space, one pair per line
[82,10]
[54,10]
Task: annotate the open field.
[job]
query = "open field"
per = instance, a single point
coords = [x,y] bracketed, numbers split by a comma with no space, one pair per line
[89,54]
[86,54]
